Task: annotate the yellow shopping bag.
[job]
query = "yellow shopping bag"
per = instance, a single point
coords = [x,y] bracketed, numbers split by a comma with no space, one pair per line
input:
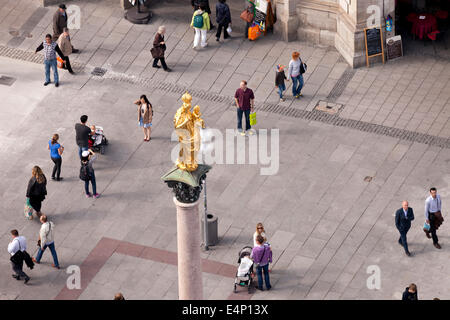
[253,118]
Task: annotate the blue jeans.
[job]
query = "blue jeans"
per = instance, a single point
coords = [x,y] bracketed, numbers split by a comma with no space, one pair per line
[247,119]
[53,64]
[94,185]
[259,270]
[297,84]
[51,246]
[281,88]
[81,149]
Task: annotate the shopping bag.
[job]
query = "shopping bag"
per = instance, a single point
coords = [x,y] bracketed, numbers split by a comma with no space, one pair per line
[426,227]
[28,211]
[253,118]
[253,32]
[229,30]
[60,62]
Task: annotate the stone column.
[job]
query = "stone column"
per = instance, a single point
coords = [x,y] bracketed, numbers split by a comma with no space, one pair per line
[190,285]
[287,20]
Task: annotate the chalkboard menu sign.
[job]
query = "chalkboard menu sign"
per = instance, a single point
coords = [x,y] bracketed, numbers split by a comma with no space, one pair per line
[259,17]
[374,43]
[394,47]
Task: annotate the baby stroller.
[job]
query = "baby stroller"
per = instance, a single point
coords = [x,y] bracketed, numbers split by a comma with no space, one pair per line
[244,275]
[97,140]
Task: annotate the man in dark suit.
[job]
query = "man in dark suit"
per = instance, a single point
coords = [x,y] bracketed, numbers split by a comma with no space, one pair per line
[59,23]
[403,218]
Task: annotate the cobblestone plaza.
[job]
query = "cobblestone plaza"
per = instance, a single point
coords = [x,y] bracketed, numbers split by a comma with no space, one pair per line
[328,212]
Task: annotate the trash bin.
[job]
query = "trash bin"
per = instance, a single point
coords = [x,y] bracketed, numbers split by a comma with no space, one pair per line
[213,237]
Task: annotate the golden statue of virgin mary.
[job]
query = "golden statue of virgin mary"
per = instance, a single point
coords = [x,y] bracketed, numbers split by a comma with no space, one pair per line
[187,126]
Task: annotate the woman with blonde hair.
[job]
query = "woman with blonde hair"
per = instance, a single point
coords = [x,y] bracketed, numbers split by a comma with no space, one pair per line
[296,74]
[37,189]
[259,232]
[56,150]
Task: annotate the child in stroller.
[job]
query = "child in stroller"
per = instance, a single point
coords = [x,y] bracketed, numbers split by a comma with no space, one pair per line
[97,140]
[244,275]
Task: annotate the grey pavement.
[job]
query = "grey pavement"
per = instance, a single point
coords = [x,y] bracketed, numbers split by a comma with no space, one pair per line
[324,221]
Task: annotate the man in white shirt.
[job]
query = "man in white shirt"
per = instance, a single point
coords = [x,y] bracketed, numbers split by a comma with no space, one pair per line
[46,239]
[433,206]
[18,243]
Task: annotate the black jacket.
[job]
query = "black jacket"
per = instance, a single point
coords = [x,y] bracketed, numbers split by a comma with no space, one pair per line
[279,78]
[223,15]
[36,189]
[401,222]
[409,296]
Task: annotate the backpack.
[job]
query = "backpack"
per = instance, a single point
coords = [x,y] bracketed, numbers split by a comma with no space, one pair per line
[84,172]
[198,21]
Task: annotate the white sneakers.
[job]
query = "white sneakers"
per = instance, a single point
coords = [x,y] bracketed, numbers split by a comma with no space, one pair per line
[249,132]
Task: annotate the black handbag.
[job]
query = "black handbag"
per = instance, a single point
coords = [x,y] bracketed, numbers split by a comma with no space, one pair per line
[303,67]
[17,258]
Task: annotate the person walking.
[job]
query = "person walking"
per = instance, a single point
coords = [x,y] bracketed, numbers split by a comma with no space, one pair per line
[295,74]
[196,4]
[59,23]
[37,189]
[433,215]
[223,19]
[410,293]
[16,248]
[56,150]
[403,218]
[82,132]
[159,48]
[262,256]
[145,116]
[66,48]
[46,240]
[50,49]
[201,24]
[244,99]
[279,81]
[87,172]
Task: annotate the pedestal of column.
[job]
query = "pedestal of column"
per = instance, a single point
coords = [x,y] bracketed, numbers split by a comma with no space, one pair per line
[190,284]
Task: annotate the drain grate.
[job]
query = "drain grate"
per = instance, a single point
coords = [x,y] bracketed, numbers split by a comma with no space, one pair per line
[100,72]
[341,84]
[328,107]
[7,81]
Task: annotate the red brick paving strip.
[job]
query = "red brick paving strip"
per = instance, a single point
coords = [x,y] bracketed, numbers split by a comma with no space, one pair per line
[107,246]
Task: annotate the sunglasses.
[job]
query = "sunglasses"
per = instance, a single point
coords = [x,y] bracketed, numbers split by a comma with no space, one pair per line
[260,228]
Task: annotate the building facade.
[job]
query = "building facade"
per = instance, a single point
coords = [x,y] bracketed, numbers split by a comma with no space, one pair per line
[338,23]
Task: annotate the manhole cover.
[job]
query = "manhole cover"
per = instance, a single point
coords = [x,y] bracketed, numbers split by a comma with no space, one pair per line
[98,72]
[328,107]
[368,179]
[7,81]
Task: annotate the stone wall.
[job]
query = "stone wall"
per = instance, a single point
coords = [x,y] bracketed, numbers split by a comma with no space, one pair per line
[317,21]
